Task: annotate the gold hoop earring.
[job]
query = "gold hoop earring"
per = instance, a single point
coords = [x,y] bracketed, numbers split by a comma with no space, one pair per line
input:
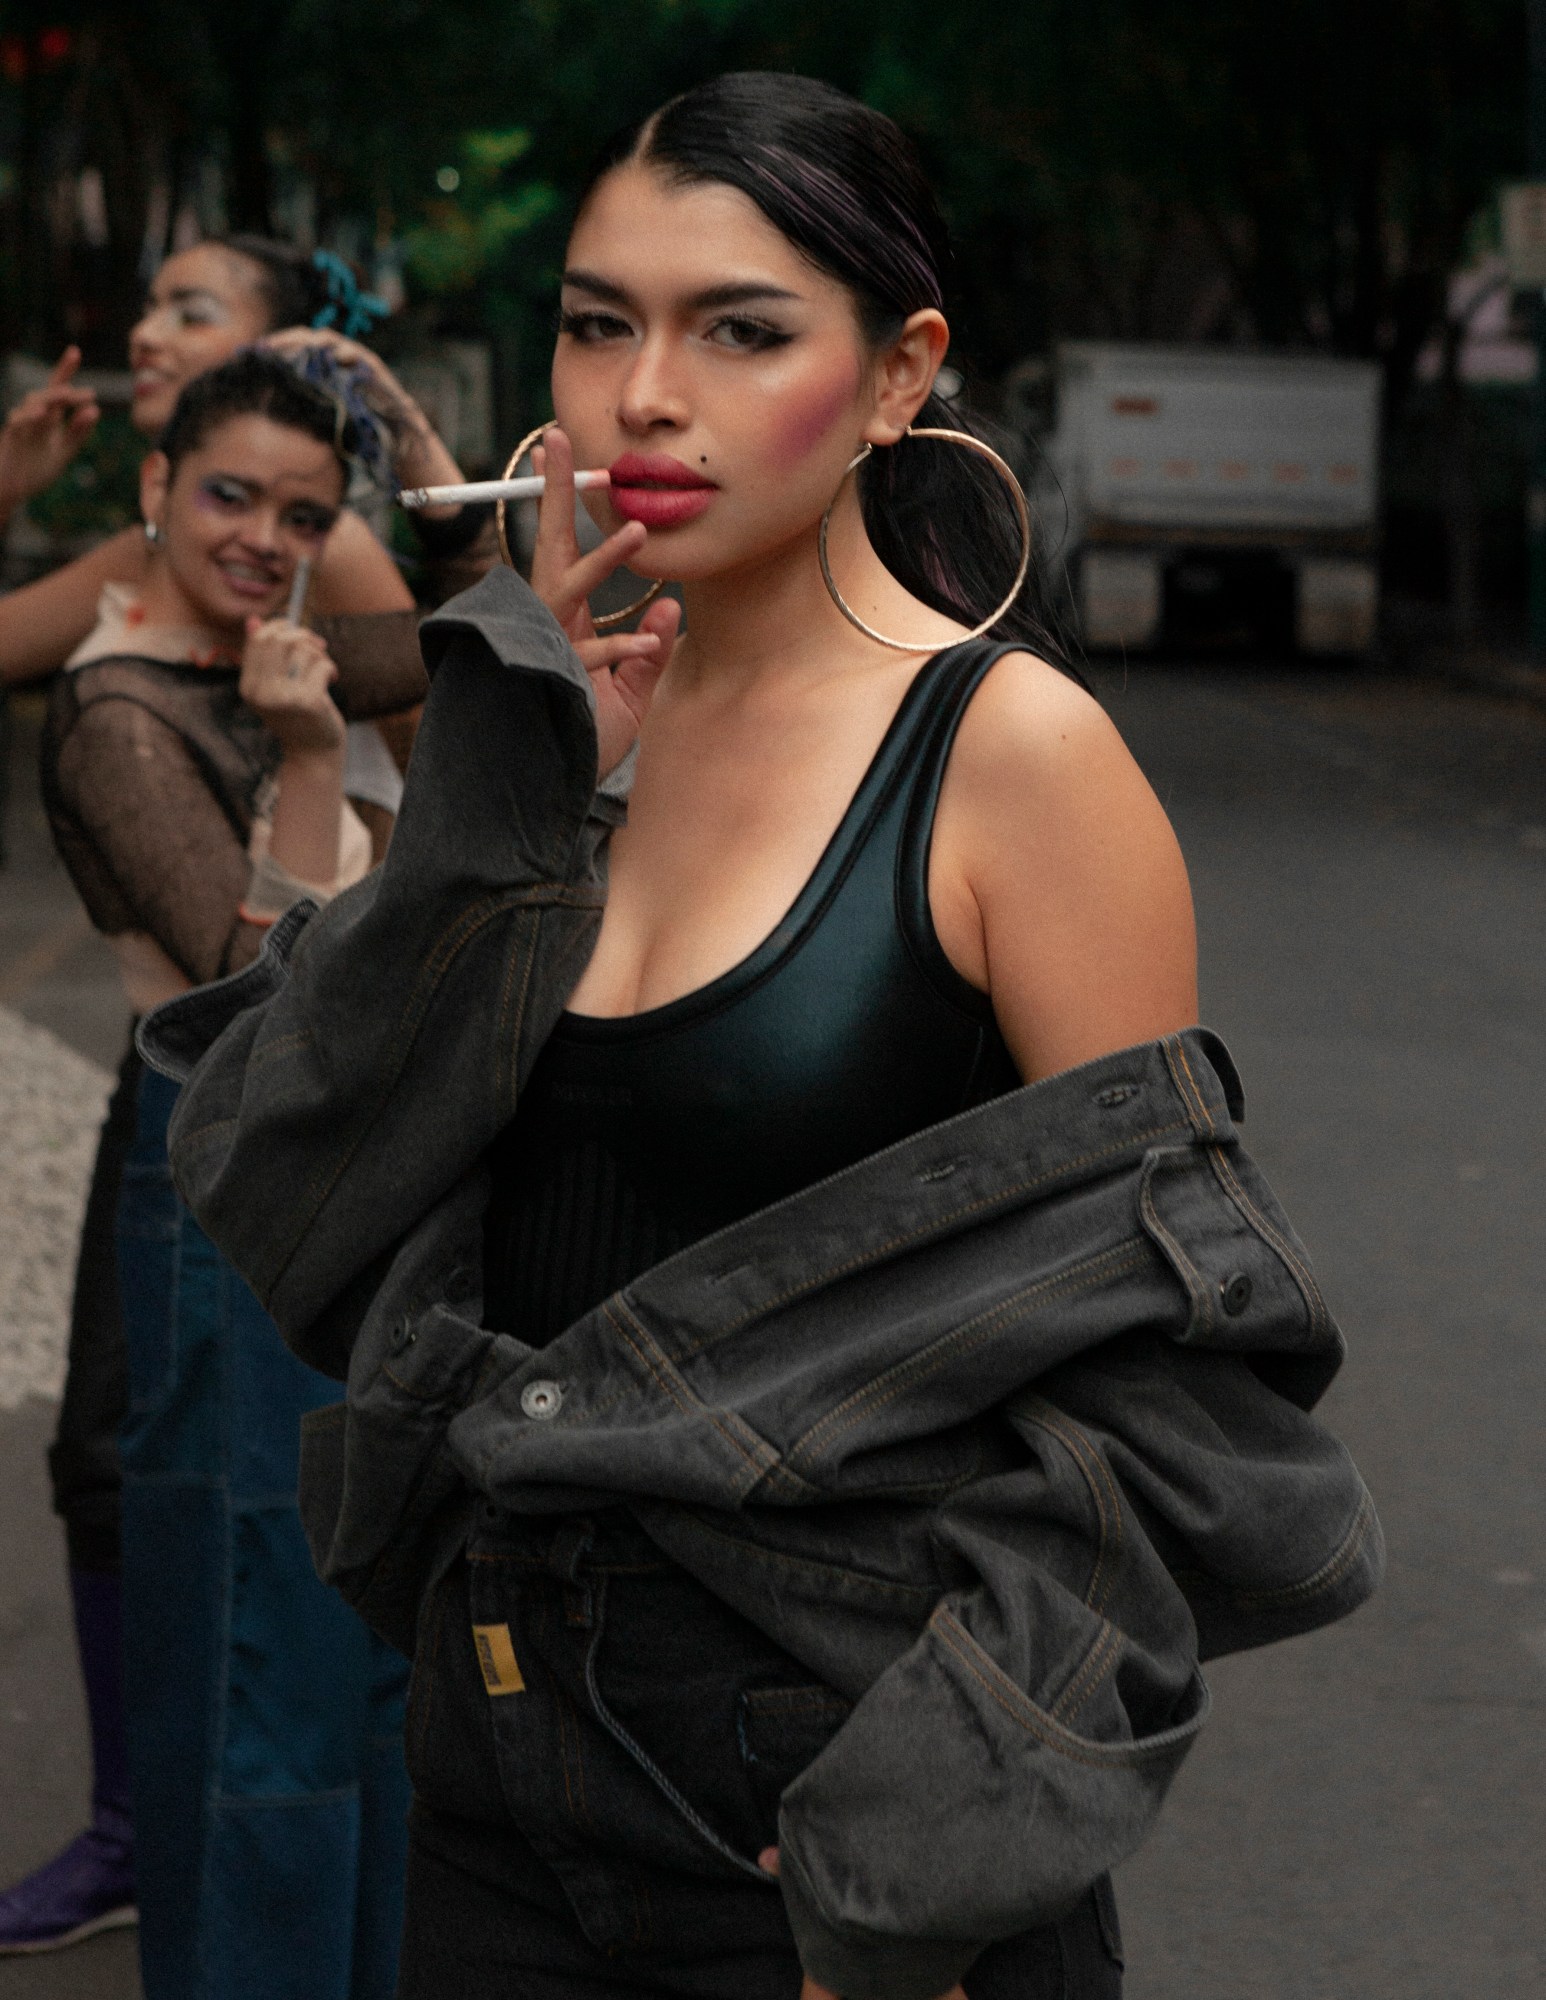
[608,619]
[1000,466]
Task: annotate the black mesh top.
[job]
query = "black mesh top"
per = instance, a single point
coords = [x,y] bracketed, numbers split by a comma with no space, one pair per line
[152,776]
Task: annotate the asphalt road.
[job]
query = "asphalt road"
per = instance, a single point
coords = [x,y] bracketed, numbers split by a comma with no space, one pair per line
[1365,1818]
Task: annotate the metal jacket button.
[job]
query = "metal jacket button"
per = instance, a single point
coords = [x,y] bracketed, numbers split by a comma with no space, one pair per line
[541,1400]
[1236,1292]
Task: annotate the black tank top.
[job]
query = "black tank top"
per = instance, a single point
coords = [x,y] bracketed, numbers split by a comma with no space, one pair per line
[846,1030]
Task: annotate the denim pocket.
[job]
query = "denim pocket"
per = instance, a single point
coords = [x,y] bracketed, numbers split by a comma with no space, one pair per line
[782,1729]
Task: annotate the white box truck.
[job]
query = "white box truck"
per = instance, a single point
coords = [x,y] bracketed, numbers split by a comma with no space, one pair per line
[1187,472]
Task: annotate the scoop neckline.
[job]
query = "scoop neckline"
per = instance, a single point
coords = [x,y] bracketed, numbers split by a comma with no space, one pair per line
[763,958]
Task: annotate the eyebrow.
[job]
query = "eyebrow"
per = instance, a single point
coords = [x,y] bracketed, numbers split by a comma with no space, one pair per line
[745,293]
[181,295]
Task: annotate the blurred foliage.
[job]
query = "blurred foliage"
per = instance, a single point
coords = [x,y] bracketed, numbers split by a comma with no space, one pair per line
[463,237]
[1303,172]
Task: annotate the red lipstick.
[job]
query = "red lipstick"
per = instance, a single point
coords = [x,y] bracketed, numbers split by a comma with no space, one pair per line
[659,491]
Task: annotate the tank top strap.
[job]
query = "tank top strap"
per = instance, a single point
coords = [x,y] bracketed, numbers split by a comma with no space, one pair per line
[955,677]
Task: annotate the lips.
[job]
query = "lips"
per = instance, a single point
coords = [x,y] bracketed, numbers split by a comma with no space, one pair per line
[659,491]
[246,580]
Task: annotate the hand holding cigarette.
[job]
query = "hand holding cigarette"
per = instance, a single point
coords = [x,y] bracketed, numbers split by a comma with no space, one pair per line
[624,667]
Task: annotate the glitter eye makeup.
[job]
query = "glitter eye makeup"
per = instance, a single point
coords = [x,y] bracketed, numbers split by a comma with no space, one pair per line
[224,495]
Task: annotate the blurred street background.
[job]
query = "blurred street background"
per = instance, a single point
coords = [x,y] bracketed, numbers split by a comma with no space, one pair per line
[1247,291]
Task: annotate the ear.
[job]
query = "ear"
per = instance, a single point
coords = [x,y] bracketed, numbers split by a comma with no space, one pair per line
[155,477]
[905,373]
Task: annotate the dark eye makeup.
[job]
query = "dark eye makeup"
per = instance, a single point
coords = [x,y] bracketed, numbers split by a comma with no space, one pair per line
[309,518]
[591,327]
[731,330]
[756,335]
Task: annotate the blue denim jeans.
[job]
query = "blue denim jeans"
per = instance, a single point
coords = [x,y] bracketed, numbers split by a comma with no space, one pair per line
[265,1720]
[598,1747]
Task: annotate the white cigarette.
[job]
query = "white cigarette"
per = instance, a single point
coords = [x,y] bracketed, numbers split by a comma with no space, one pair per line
[530,488]
[300,583]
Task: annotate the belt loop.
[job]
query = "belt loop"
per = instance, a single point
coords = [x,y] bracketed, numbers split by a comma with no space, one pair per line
[1206,1123]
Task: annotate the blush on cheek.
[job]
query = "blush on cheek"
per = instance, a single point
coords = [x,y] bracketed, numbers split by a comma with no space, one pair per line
[803,421]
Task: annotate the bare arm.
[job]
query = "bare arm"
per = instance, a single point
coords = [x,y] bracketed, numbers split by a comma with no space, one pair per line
[1056,881]
[42,623]
[43,433]
[356,574]
[286,674]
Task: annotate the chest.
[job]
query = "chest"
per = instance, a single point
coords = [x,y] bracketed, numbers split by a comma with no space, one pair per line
[731,812]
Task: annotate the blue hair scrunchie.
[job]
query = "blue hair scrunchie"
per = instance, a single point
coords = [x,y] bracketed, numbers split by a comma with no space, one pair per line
[348,309]
[347,387]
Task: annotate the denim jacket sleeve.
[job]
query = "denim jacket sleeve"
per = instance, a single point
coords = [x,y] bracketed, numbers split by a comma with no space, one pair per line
[329,1104]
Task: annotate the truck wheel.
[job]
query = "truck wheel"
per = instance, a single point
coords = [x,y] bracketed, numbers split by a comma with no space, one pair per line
[1336,605]
[1120,597]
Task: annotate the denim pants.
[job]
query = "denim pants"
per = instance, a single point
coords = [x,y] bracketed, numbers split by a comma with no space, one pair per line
[264,1719]
[598,1747]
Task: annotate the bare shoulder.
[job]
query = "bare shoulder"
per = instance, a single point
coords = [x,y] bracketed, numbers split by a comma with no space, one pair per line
[1056,881]
[1035,744]
[356,574]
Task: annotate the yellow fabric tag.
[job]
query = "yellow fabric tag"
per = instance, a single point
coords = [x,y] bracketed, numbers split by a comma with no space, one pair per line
[496,1656]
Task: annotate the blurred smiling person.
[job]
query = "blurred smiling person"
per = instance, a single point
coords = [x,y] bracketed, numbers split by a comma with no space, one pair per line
[193,771]
[204,305]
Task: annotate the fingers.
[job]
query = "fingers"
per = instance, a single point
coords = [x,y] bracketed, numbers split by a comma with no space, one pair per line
[612,650]
[286,673]
[64,368]
[767,1860]
[43,406]
[556,548]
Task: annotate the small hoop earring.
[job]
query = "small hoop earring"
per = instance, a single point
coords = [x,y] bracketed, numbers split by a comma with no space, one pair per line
[152,533]
[609,618]
[1000,466]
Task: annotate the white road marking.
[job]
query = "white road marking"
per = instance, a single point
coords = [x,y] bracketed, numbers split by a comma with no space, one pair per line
[51,1106]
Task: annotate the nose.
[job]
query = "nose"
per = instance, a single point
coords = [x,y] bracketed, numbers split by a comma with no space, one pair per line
[144,336]
[654,395]
[261,532]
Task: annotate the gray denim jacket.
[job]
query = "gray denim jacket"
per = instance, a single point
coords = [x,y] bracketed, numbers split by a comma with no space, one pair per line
[1000,1432]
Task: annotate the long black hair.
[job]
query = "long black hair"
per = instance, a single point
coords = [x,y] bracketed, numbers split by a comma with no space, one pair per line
[845,186]
[293,286]
[256,383]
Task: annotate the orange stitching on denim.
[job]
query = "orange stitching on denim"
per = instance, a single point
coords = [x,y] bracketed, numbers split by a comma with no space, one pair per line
[1098,1663]
[1200,1294]
[687,1402]
[1014,1702]
[418,1395]
[448,946]
[1096,1475]
[1299,1270]
[936,1226]
[510,1044]
[281,1045]
[949,1347]
[1330,1572]
[1191,1089]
